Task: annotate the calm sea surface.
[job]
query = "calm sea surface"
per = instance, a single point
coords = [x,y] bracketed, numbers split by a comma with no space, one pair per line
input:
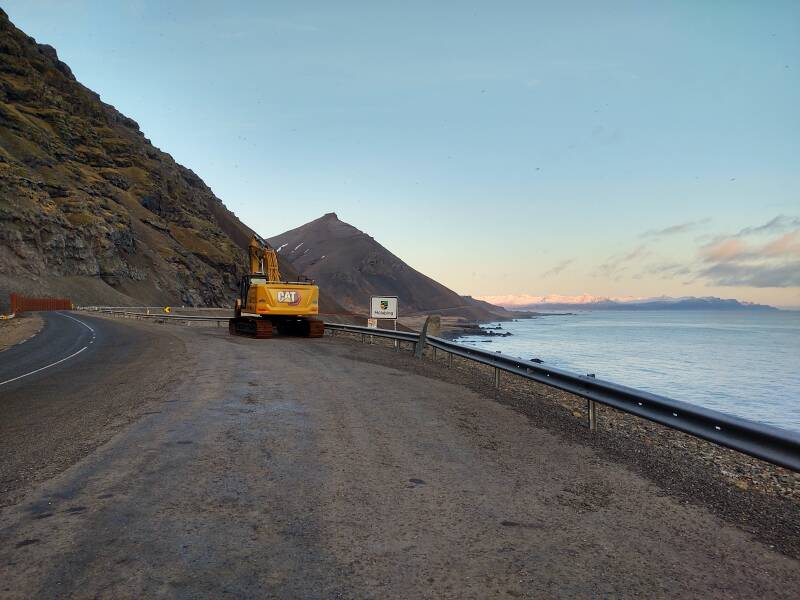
[742,363]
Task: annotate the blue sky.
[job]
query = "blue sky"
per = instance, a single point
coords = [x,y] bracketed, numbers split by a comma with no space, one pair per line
[505,148]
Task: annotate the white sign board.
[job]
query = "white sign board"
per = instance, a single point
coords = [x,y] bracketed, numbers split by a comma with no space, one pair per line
[383,307]
[372,323]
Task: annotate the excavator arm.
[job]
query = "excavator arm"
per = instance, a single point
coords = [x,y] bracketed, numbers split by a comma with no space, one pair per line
[264,260]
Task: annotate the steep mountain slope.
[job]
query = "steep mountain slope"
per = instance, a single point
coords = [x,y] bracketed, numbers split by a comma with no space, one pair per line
[352,266]
[90,209]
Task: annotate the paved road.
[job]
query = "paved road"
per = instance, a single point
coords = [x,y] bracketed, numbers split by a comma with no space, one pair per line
[63,337]
[70,388]
[292,468]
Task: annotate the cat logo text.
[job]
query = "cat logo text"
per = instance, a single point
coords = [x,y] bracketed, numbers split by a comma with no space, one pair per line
[292,297]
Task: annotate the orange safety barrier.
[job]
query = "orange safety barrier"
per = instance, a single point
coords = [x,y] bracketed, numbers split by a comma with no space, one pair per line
[24,304]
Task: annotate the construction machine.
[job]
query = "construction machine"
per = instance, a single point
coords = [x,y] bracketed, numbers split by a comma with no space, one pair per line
[266,303]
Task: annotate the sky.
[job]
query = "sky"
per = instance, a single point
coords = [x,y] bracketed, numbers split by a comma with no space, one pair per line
[612,149]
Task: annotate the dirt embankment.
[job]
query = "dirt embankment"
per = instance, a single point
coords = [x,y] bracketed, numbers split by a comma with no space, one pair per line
[19,329]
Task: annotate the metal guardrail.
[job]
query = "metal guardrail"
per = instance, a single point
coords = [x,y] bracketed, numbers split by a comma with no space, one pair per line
[122,312]
[771,444]
[762,441]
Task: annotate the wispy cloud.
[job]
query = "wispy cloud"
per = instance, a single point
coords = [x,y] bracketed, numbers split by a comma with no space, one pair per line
[748,275]
[675,229]
[616,265]
[734,249]
[666,270]
[749,258]
[724,250]
[779,224]
[558,268]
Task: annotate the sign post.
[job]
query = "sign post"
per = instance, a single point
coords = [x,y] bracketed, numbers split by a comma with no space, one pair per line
[372,324]
[384,307]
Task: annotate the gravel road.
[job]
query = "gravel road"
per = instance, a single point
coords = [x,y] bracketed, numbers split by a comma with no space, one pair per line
[304,468]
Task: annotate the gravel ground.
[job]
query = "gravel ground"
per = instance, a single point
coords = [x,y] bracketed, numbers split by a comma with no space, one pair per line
[218,466]
[758,497]
[19,329]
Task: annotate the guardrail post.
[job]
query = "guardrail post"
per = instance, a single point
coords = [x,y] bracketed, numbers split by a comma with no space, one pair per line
[496,377]
[591,409]
[449,360]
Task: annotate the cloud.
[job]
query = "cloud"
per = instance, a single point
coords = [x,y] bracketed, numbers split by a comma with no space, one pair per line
[760,276]
[779,224]
[724,250]
[763,262]
[558,268]
[734,249]
[666,270]
[675,229]
[787,245]
[616,265]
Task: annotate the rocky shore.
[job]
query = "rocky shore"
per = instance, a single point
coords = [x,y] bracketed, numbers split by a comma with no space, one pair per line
[454,331]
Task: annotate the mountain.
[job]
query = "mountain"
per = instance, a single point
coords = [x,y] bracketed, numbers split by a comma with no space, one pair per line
[352,266]
[90,209]
[598,303]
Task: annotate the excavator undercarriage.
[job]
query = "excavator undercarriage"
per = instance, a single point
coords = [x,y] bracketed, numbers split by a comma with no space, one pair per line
[265,327]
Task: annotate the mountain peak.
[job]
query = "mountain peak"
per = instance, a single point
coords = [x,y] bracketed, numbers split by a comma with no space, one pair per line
[352,266]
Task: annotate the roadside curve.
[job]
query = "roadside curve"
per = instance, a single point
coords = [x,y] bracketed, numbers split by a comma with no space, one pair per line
[62,338]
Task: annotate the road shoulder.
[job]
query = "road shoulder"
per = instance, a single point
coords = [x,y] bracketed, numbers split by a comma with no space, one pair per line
[753,496]
[18,330]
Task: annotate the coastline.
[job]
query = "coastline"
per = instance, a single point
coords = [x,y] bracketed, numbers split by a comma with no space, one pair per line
[454,332]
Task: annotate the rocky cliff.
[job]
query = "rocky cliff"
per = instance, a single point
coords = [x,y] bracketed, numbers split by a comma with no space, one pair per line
[89,208]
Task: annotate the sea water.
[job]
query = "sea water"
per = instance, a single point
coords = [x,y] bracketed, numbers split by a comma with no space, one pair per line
[744,363]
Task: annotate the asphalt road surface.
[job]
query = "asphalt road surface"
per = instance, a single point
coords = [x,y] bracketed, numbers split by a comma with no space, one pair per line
[218,467]
[63,337]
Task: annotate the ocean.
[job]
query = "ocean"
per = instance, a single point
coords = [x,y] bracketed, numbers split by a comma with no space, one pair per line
[744,363]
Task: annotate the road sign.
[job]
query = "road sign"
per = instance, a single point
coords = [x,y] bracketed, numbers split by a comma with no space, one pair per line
[167,309]
[383,307]
[372,323]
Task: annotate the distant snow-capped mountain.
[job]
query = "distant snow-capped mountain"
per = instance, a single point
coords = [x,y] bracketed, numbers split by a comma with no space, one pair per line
[586,301]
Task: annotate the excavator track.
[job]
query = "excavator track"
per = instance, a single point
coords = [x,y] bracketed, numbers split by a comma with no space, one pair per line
[253,327]
[316,328]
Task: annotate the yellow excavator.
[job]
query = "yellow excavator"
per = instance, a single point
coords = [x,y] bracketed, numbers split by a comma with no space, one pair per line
[266,303]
